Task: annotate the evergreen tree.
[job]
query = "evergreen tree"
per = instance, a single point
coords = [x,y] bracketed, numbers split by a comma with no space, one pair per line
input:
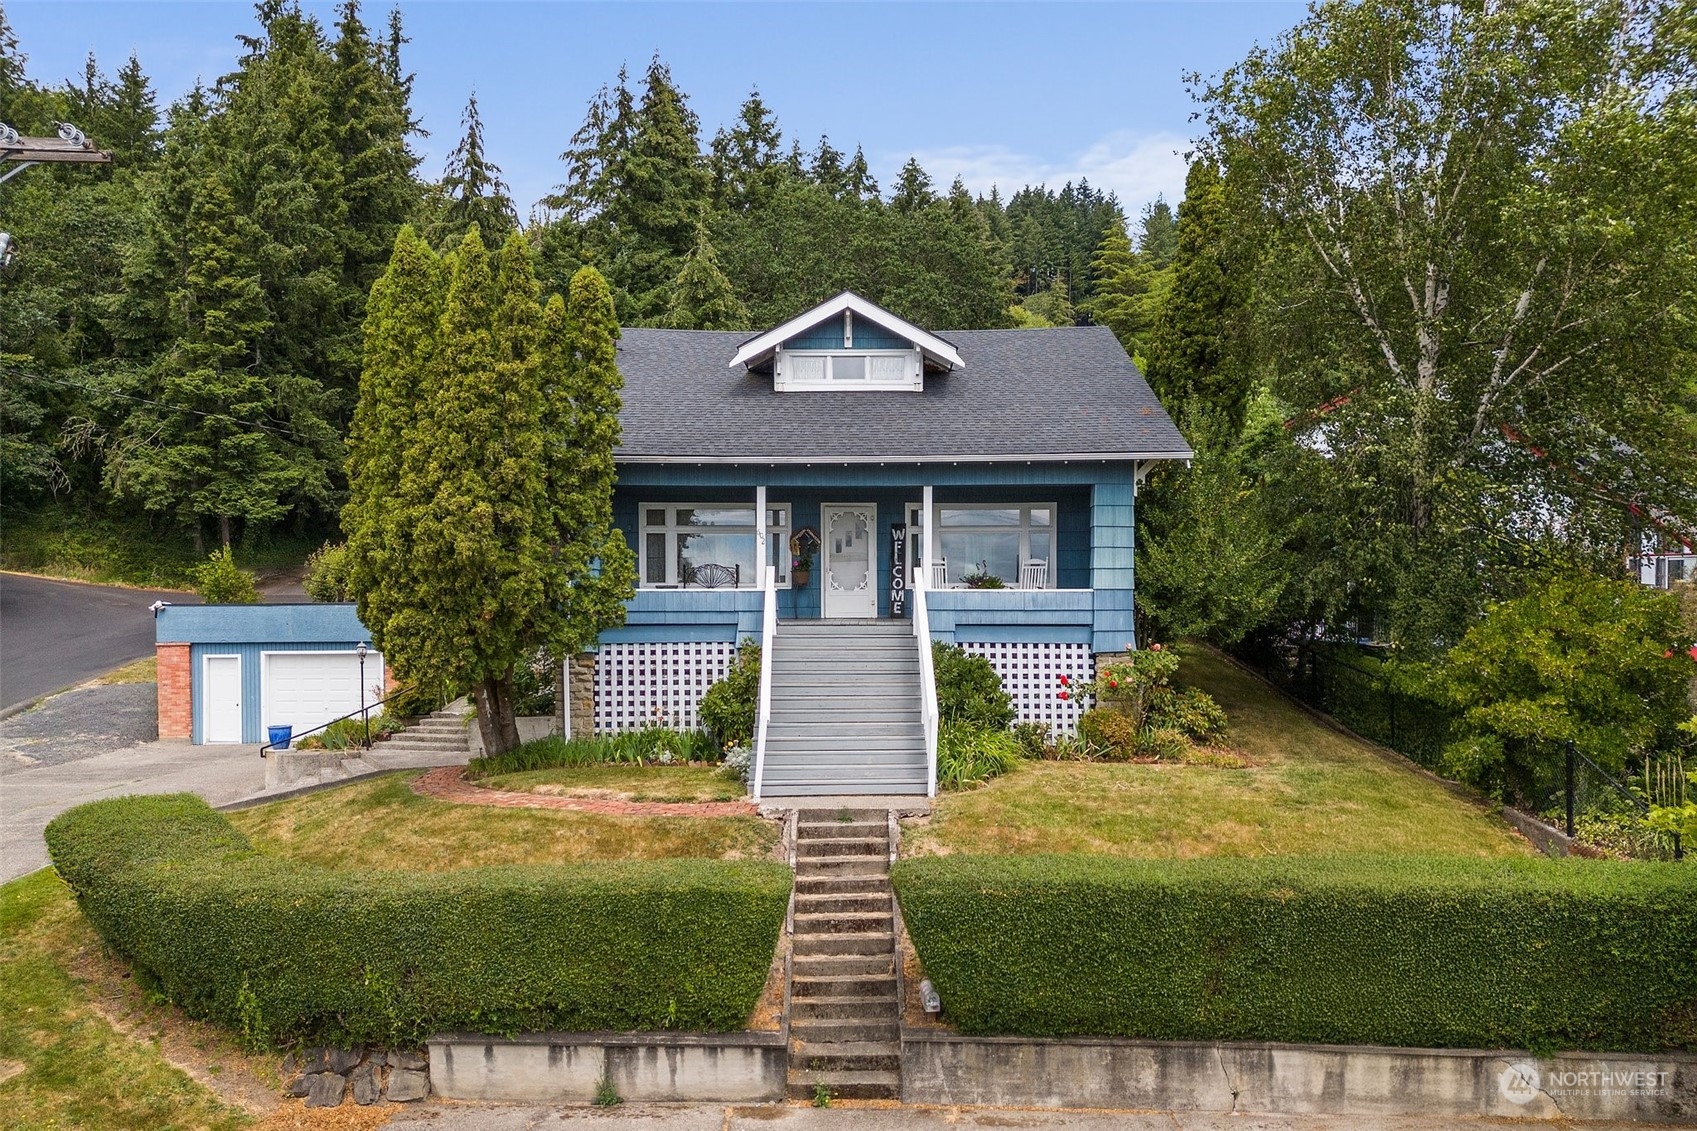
[862,185]
[702,298]
[1128,288]
[913,187]
[1157,234]
[212,444]
[746,160]
[1189,363]
[496,538]
[473,193]
[827,169]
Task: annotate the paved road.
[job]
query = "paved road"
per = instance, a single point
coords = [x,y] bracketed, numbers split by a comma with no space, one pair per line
[57,633]
[30,798]
[716,1117]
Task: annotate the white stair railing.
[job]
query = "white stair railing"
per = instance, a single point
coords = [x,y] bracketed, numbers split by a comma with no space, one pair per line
[768,637]
[927,681]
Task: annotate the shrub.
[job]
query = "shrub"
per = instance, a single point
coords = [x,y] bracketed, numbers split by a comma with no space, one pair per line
[1128,685]
[1165,743]
[728,710]
[1108,734]
[1034,739]
[327,570]
[219,581]
[970,755]
[299,953]
[1523,953]
[968,689]
[656,745]
[344,734]
[1190,711]
[534,685]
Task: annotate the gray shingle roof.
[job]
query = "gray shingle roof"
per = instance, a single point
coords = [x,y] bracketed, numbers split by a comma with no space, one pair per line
[1030,394]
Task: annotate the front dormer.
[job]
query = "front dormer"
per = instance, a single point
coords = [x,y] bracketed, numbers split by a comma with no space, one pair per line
[847,343]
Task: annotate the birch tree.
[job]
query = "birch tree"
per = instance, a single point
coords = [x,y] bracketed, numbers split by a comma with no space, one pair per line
[1476,234]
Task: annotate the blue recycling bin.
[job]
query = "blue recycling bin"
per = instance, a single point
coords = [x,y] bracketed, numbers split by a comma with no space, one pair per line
[280,736]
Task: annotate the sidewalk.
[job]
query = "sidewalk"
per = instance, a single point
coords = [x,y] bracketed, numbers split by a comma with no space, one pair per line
[717,1117]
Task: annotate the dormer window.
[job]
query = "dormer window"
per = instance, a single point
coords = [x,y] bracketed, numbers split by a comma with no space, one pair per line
[847,344]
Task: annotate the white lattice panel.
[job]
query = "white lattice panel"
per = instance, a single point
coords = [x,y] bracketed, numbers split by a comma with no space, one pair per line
[645,684]
[1031,673]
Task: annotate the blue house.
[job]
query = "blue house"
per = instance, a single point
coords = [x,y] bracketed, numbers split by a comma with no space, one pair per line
[846,488]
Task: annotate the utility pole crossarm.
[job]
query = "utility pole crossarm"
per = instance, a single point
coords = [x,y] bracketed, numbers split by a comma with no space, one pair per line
[71,147]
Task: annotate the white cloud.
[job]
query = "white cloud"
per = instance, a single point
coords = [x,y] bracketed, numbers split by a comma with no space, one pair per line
[1135,167]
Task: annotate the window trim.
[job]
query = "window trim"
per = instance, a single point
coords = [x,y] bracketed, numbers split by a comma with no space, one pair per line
[939,531]
[774,533]
[785,380]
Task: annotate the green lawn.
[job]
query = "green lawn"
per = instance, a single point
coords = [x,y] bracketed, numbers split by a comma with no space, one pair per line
[1311,790]
[62,1063]
[626,783]
[382,823]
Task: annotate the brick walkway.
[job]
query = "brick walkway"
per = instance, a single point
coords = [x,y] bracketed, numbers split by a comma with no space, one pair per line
[448,783]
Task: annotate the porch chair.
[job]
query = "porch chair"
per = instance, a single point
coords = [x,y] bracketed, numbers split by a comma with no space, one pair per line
[940,573]
[1034,574]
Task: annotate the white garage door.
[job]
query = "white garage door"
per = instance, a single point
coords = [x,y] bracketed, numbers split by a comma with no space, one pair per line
[307,689]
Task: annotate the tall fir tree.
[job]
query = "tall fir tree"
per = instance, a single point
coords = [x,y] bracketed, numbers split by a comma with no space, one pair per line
[913,188]
[702,298]
[472,191]
[1190,364]
[1129,288]
[1157,234]
[747,160]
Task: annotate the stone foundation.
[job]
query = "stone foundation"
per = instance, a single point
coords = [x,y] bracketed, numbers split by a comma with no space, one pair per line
[327,1077]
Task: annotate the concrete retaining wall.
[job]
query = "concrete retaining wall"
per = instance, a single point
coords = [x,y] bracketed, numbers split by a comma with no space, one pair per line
[1295,1079]
[643,1067]
[531,728]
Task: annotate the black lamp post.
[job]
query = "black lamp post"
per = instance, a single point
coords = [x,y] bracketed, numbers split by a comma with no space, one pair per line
[360,652]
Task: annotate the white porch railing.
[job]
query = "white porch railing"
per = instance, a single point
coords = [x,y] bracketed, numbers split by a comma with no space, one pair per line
[768,636]
[927,682]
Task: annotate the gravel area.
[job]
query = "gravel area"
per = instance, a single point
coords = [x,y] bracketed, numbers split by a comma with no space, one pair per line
[79,724]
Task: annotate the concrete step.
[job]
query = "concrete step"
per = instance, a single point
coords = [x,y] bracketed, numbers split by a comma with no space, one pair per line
[881,986]
[816,830]
[840,965]
[809,883]
[833,945]
[857,1008]
[839,1030]
[860,867]
[842,846]
[842,922]
[836,904]
[884,1085]
[846,789]
[845,1056]
[411,738]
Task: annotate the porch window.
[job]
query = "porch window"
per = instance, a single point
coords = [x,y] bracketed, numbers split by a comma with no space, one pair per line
[710,545]
[995,538]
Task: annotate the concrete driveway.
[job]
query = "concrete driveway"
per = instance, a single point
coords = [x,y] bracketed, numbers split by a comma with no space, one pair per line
[54,634]
[29,798]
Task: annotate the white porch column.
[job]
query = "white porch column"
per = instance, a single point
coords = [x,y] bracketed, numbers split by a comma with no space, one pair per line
[762,555]
[927,523]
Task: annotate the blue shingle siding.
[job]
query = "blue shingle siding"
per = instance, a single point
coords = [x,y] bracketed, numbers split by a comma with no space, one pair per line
[828,335]
[871,336]
[1112,543]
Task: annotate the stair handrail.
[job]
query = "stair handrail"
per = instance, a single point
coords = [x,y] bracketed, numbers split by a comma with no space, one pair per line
[768,635]
[365,710]
[927,680]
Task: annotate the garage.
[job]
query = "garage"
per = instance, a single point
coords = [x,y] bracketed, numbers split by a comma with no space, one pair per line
[304,690]
[229,672]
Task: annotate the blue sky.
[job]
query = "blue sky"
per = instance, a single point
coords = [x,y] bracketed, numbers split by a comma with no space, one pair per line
[1005,93]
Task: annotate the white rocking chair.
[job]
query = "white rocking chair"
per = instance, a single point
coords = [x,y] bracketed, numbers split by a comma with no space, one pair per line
[1034,574]
[940,574]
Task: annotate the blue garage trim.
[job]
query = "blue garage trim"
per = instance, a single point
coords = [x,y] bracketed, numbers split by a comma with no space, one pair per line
[236,624]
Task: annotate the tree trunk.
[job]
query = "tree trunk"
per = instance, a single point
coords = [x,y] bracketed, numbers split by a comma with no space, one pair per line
[495,719]
[224,531]
[199,541]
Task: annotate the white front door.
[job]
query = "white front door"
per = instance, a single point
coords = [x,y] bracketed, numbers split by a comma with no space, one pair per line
[221,699]
[850,584]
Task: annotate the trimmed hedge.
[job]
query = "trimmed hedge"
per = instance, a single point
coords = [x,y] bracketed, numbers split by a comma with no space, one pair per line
[282,951]
[1411,951]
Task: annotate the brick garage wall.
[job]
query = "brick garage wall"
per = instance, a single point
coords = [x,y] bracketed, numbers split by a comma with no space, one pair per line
[176,691]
